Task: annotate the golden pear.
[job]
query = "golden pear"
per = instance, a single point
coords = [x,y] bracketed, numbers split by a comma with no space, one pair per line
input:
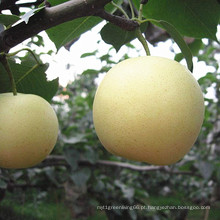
[28,130]
[148,109]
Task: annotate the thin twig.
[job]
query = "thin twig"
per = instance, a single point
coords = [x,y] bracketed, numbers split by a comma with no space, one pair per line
[132,9]
[28,50]
[120,9]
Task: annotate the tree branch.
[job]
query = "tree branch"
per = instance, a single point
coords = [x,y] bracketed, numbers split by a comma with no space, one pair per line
[123,23]
[47,18]
[52,16]
[57,160]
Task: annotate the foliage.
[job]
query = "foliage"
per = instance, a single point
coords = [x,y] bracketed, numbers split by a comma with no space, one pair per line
[80,170]
[189,17]
[44,207]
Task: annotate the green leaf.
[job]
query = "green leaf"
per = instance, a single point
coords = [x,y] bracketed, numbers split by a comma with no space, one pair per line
[66,32]
[195,47]
[90,155]
[99,186]
[8,19]
[118,37]
[187,166]
[208,78]
[80,177]
[72,157]
[205,168]
[207,81]
[141,193]
[89,54]
[193,18]
[180,42]
[33,83]
[90,72]
[128,192]
[51,174]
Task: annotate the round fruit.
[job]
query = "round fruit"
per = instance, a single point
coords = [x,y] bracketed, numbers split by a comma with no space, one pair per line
[28,130]
[148,109]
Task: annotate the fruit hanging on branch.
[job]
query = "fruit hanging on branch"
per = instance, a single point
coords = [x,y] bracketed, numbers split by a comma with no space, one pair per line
[28,130]
[148,109]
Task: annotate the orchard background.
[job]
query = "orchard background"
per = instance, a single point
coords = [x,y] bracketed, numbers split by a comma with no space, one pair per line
[80,175]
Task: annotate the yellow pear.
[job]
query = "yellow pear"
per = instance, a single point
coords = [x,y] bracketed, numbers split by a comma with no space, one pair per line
[148,109]
[28,130]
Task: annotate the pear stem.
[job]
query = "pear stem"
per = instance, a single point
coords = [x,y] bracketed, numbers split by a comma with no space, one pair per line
[142,40]
[7,67]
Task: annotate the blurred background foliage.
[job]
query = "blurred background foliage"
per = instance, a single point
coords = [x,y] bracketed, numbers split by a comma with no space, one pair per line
[80,179]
